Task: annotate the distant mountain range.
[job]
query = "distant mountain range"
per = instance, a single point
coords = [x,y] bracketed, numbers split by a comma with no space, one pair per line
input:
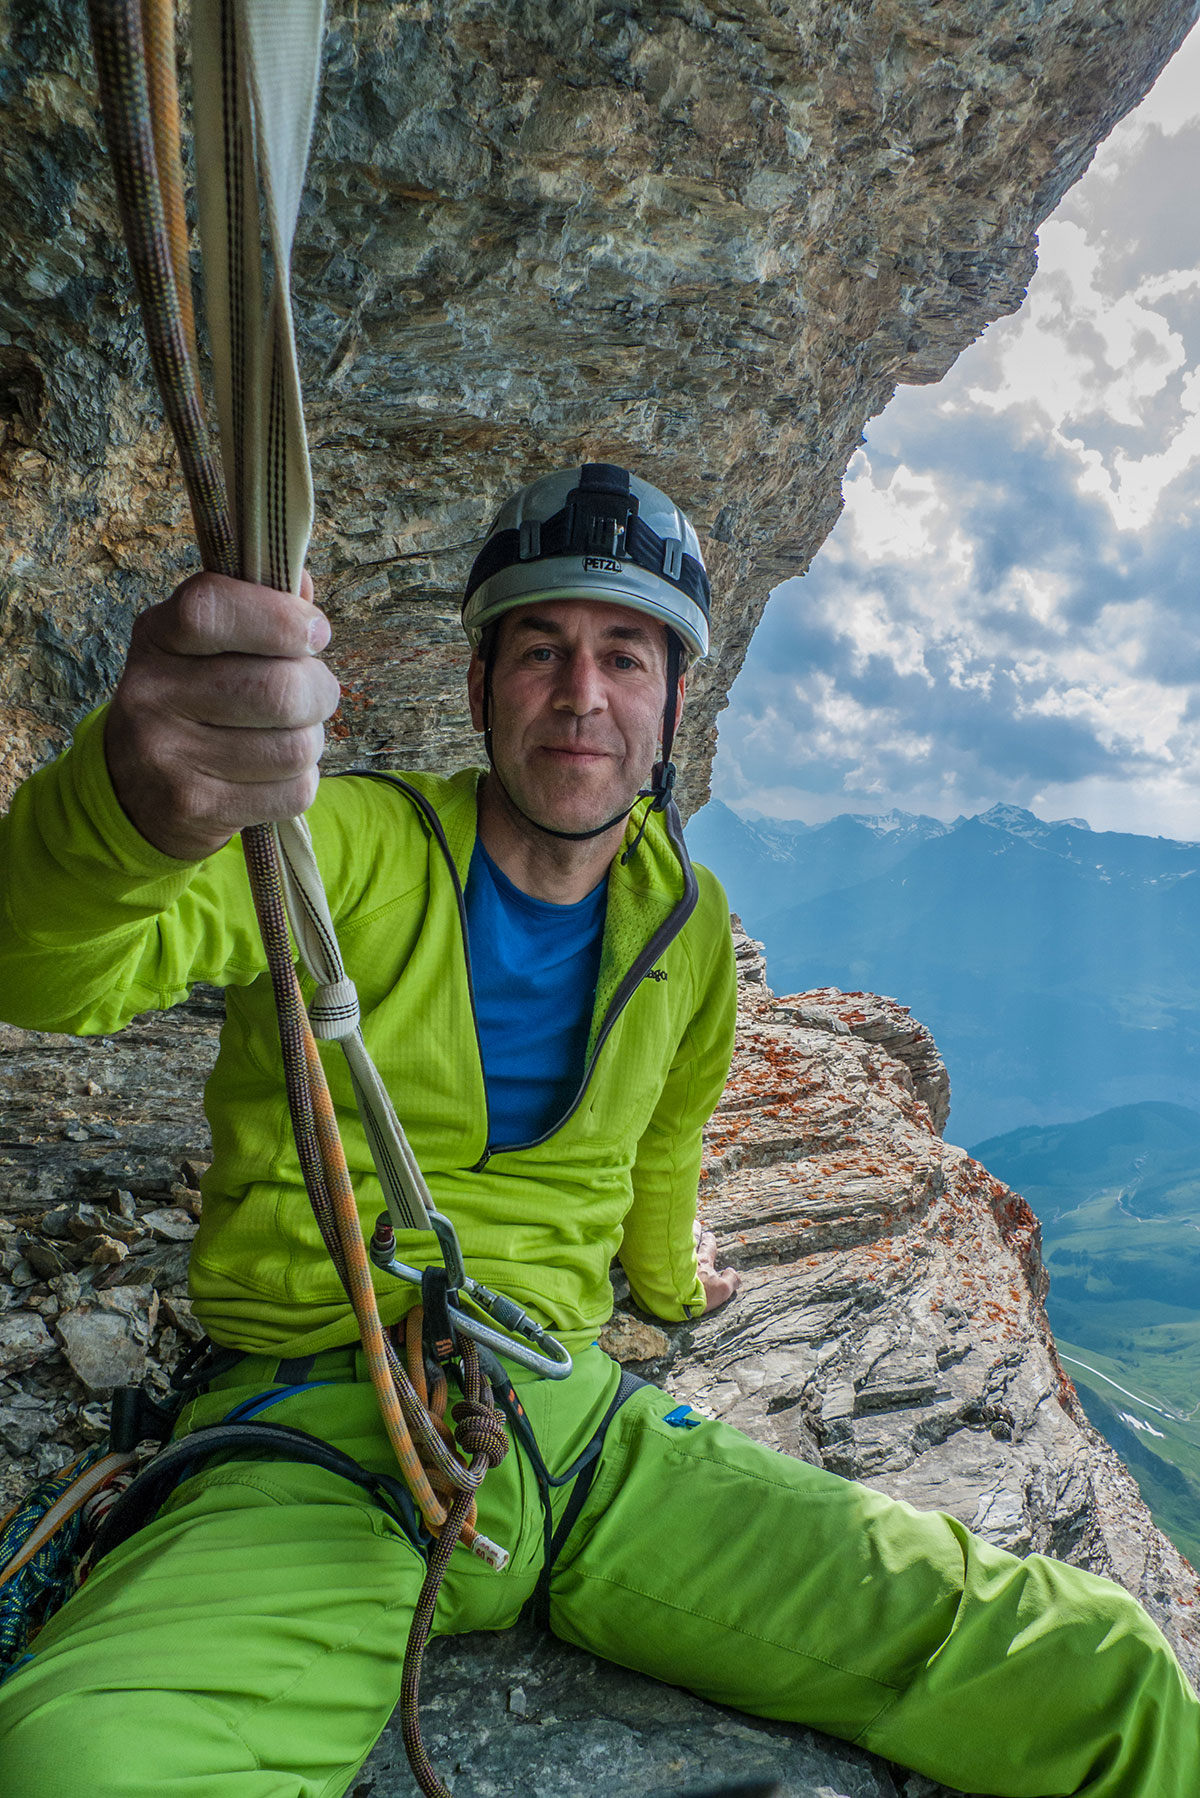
[1118,1197]
[1058,967]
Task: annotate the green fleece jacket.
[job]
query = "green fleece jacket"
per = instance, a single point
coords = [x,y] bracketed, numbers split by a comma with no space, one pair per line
[97,926]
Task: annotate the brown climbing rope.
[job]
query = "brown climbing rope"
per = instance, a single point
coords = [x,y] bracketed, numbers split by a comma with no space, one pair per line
[134,49]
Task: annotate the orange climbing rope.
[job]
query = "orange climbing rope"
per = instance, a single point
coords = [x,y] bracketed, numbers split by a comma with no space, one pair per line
[135,58]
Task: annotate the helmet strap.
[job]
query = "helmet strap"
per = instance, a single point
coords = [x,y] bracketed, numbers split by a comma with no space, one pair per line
[661,791]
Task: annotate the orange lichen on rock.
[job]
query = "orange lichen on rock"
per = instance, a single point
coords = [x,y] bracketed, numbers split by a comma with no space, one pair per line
[881,1262]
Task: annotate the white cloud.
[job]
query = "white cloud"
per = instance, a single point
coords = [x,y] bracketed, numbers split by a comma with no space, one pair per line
[1077,356]
[1165,287]
[1128,720]
[1074,356]
[1140,483]
[1003,610]
[1164,806]
[894,520]
[1172,104]
[898,516]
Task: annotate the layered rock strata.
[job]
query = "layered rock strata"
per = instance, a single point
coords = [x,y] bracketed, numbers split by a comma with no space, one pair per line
[890,1327]
[704,242]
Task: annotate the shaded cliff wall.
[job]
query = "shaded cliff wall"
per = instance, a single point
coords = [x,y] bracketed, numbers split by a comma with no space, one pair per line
[704,241]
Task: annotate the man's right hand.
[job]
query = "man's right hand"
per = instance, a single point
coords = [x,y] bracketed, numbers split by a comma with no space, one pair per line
[217,721]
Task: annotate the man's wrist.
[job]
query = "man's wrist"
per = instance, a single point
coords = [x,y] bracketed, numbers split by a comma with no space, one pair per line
[158,827]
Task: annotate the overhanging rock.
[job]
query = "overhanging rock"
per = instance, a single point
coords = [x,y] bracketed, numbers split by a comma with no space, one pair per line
[705,242]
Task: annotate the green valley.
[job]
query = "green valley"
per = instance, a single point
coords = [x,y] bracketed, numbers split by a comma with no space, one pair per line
[1118,1198]
[1159,1443]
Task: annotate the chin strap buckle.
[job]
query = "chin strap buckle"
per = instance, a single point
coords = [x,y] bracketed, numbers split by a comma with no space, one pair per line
[660,793]
[662,785]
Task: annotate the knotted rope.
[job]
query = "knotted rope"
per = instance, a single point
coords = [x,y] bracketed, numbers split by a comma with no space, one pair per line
[255,69]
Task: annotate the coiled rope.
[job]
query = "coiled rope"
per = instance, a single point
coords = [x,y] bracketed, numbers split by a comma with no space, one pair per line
[255,70]
[39,1543]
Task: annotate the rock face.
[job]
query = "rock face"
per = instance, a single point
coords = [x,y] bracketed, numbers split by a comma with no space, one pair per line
[890,1322]
[523,1713]
[706,242]
[889,1327]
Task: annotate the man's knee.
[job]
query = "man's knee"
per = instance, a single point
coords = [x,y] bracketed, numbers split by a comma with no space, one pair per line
[119,1744]
[1144,1664]
[1083,1616]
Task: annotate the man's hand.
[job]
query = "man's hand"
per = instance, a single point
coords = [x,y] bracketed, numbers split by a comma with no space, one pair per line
[218,718]
[718,1286]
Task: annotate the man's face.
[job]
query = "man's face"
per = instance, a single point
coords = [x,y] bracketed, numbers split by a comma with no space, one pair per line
[578,690]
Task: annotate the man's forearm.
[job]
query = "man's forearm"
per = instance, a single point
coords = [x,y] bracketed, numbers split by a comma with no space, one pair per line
[96,924]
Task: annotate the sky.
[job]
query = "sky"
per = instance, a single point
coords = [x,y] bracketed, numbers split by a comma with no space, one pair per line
[1007,609]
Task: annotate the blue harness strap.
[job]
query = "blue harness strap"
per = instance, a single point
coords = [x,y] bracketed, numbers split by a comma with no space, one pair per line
[262,1401]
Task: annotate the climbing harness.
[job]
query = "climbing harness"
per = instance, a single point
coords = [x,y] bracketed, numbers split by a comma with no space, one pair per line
[579,1475]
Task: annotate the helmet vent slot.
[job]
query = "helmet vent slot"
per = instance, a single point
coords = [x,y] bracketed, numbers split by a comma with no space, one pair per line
[530,546]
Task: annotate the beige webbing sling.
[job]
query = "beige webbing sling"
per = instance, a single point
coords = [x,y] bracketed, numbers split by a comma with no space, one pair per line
[255,69]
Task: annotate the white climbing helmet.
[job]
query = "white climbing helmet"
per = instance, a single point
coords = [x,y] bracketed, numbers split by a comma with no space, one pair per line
[596,532]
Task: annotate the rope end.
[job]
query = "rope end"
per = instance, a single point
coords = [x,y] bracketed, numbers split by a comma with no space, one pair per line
[491,1552]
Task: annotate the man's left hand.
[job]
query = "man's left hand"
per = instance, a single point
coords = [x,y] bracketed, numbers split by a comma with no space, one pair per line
[719,1284]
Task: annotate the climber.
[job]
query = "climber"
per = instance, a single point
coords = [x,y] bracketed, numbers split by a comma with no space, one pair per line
[247,1641]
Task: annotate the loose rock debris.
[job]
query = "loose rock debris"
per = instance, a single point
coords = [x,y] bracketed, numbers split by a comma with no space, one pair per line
[93,1295]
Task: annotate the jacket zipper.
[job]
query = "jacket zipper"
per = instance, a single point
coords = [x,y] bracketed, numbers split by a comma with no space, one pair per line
[661,940]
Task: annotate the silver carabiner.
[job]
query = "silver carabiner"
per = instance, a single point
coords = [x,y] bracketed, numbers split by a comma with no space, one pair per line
[547,1356]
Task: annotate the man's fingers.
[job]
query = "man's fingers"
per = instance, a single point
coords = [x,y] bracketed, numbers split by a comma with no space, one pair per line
[212,615]
[247,758]
[233,691]
[719,1283]
[216,810]
[719,1288]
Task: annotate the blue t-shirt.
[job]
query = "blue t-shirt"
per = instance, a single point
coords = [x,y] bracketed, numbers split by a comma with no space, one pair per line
[534,967]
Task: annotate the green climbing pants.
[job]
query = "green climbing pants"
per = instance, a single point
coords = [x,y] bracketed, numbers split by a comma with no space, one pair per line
[247,1643]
